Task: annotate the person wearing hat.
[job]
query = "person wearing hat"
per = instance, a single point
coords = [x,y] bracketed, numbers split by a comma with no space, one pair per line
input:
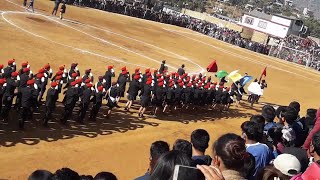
[47,74]
[133,91]
[1,71]
[197,95]
[162,67]
[158,98]
[145,94]
[2,90]
[10,90]
[73,69]
[26,102]
[187,95]
[9,69]
[85,101]
[177,95]
[123,78]
[108,77]
[87,75]
[23,65]
[24,77]
[51,99]
[69,101]
[97,102]
[112,95]
[169,97]
[181,70]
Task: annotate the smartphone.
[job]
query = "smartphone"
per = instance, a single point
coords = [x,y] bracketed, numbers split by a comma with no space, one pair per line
[187,173]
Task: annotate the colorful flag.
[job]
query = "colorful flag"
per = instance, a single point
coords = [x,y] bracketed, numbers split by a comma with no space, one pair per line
[213,67]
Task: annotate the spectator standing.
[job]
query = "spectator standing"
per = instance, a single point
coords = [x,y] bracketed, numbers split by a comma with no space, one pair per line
[200,142]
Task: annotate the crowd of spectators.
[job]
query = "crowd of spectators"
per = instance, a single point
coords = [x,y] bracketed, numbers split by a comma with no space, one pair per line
[276,144]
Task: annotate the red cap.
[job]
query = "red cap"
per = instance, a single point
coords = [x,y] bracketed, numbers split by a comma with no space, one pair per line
[206,87]
[61,68]
[155,71]
[171,84]
[136,77]
[159,75]
[168,75]
[40,75]
[124,68]
[24,64]
[181,84]
[88,70]
[73,83]
[148,82]
[1,66]
[89,85]
[160,84]
[26,70]
[87,80]
[110,67]
[171,80]
[228,89]
[79,80]
[124,72]
[54,84]
[74,75]
[74,64]
[149,74]
[221,87]
[148,70]
[10,62]
[41,70]
[2,81]
[100,88]
[160,79]
[59,73]
[138,73]
[149,79]
[58,77]
[199,85]
[47,66]
[215,83]
[189,84]
[179,81]
[30,82]
[14,74]
[137,70]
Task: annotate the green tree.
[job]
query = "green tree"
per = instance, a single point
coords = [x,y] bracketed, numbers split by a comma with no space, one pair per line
[313,26]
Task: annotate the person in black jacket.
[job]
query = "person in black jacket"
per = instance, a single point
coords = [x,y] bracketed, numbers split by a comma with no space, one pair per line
[9,94]
[112,94]
[97,102]
[2,90]
[181,70]
[88,75]
[123,78]
[145,97]
[26,102]
[133,91]
[70,101]
[22,83]
[158,98]
[56,7]
[85,101]
[7,71]
[51,99]
[107,77]
[169,97]
[162,67]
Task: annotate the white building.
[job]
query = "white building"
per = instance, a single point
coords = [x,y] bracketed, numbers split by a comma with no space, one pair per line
[271,25]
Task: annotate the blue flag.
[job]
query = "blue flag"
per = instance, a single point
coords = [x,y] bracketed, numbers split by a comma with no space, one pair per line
[245,80]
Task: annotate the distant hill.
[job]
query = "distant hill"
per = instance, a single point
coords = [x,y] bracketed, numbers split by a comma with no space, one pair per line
[313,5]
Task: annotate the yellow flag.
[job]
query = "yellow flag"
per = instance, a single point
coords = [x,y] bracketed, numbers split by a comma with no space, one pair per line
[234,77]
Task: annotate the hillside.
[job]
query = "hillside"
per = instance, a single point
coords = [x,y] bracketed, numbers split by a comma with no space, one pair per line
[313,5]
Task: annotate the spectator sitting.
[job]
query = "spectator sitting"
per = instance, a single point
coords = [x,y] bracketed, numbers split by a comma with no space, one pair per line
[200,142]
[183,146]
[164,168]
[65,173]
[288,116]
[157,149]
[269,114]
[40,175]
[313,171]
[275,136]
[251,134]
[105,176]
[260,120]
[310,119]
[284,167]
[315,129]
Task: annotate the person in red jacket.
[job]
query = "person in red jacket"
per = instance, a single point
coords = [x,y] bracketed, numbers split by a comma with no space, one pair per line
[315,129]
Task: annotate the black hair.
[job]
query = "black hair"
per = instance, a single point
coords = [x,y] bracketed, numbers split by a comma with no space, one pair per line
[259,119]
[65,173]
[289,114]
[164,167]
[164,61]
[40,175]
[311,113]
[158,148]
[200,139]
[295,105]
[275,133]
[279,111]
[269,113]
[182,66]
[184,146]
[231,149]
[86,177]
[316,142]
[249,166]
[252,130]
[105,176]
[270,173]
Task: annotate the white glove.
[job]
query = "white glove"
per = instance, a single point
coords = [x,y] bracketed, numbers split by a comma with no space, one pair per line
[18,78]
[82,84]
[14,63]
[91,74]
[76,85]
[5,84]
[65,71]
[45,75]
[50,71]
[35,86]
[63,75]
[56,88]
[104,81]
[140,80]
[112,70]
[175,86]
[28,66]
[76,68]
[117,85]
[42,79]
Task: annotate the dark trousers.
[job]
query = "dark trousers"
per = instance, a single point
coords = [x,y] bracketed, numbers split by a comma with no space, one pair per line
[24,2]
[25,113]
[83,110]
[47,115]
[18,101]
[68,109]
[1,96]
[95,111]
[41,94]
[7,101]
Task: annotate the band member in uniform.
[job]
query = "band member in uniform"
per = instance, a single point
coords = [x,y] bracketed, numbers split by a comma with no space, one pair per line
[123,78]
[51,99]
[26,102]
[88,75]
[85,101]
[133,91]
[97,102]
[56,7]
[7,71]
[181,70]
[24,77]
[70,101]
[169,97]
[145,97]
[1,71]
[2,90]
[9,94]
[158,98]
[162,67]
[112,94]
[107,77]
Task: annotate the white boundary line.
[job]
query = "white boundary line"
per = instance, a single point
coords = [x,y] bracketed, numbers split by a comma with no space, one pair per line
[246,58]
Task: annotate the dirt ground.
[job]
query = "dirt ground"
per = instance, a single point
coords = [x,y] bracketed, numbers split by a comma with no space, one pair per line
[96,39]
